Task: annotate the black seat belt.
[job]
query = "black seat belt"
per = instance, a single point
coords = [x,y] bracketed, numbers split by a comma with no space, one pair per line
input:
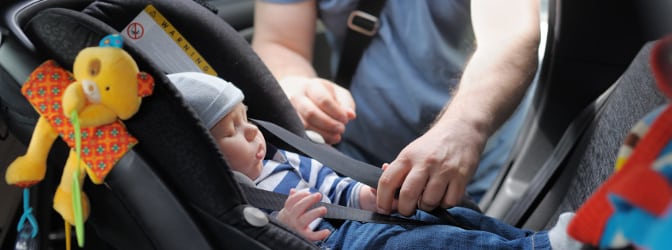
[347,166]
[275,201]
[541,182]
[363,24]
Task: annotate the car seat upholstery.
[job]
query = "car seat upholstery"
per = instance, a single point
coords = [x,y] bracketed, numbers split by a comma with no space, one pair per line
[594,157]
[588,46]
[173,190]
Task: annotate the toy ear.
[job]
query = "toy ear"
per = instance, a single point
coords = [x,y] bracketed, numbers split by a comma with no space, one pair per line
[145,84]
[661,65]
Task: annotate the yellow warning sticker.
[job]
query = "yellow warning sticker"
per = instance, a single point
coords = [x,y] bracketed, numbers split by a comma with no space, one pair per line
[154,34]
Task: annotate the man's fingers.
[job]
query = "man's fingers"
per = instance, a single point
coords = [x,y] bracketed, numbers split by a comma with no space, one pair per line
[316,119]
[388,184]
[434,193]
[346,101]
[411,190]
[325,99]
[454,194]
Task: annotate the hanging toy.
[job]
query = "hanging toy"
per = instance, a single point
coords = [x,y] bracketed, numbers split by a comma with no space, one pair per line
[104,88]
[26,232]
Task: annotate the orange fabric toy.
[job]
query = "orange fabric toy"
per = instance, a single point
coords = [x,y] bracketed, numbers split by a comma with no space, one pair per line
[105,87]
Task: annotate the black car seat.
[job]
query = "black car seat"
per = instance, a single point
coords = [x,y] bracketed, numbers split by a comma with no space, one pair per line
[172,191]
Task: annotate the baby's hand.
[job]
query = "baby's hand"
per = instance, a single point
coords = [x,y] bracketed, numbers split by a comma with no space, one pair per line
[297,216]
[367,196]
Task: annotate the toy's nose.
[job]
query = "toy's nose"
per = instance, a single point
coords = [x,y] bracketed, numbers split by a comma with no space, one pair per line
[91,91]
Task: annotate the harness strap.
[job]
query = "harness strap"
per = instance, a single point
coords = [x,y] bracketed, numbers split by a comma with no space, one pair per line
[346,166]
[275,201]
[363,24]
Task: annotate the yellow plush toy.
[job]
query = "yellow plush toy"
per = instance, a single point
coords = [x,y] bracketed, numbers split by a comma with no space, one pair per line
[107,87]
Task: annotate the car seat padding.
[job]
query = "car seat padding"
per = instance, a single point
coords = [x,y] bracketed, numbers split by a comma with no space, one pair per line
[593,159]
[221,46]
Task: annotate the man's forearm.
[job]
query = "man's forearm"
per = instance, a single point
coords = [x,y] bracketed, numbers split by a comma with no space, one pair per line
[502,67]
[493,84]
[283,62]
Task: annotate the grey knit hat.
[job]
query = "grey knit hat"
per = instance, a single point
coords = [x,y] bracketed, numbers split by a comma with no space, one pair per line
[211,97]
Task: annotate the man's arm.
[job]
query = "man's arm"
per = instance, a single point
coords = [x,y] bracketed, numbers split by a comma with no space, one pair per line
[434,169]
[284,35]
[283,38]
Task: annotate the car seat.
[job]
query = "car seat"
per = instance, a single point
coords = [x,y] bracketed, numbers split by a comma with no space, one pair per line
[177,214]
[172,191]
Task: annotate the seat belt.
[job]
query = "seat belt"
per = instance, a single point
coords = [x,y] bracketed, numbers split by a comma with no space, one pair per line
[346,166]
[551,169]
[273,201]
[363,24]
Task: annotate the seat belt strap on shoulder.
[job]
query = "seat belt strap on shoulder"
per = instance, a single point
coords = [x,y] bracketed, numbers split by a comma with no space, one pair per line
[363,24]
[325,154]
[541,182]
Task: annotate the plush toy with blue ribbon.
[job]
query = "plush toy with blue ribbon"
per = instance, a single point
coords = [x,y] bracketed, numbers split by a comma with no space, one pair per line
[84,108]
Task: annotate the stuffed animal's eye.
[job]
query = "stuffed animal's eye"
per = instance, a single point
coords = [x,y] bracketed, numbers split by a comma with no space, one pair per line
[107,88]
[94,67]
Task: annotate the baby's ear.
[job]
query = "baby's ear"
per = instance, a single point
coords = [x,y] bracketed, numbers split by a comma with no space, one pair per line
[145,84]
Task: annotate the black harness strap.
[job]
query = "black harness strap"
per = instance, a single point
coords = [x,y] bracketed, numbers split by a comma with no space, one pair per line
[347,166]
[275,201]
[363,24]
[326,154]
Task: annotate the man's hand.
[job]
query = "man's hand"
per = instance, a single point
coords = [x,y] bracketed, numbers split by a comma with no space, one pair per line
[297,216]
[323,106]
[432,171]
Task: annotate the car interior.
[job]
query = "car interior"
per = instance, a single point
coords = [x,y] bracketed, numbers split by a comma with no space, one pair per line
[173,190]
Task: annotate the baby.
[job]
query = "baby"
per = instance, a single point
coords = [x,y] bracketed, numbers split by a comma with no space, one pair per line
[219,106]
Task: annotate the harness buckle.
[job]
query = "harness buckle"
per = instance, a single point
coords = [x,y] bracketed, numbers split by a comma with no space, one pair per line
[363,23]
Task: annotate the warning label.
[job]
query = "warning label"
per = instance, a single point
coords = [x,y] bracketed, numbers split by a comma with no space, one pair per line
[152,33]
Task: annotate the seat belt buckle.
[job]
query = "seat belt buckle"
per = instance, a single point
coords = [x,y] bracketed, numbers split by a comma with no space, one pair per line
[363,23]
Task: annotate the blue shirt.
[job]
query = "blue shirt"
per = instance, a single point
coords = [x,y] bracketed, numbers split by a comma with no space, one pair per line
[406,74]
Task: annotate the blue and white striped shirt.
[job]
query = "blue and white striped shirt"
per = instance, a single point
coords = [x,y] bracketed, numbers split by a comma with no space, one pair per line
[286,170]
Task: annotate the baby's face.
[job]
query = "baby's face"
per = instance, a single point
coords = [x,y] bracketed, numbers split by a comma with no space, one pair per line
[241,142]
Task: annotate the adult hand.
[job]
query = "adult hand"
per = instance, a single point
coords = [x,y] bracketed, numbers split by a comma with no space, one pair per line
[323,106]
[433,170]
[297,214]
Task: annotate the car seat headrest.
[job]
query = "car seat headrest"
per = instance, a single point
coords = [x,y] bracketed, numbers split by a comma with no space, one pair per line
[227,51]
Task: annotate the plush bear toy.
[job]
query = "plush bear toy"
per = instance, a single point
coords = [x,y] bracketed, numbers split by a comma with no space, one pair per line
[107,87]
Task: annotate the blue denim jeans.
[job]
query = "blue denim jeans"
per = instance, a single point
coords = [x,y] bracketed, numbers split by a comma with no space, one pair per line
[489,233]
